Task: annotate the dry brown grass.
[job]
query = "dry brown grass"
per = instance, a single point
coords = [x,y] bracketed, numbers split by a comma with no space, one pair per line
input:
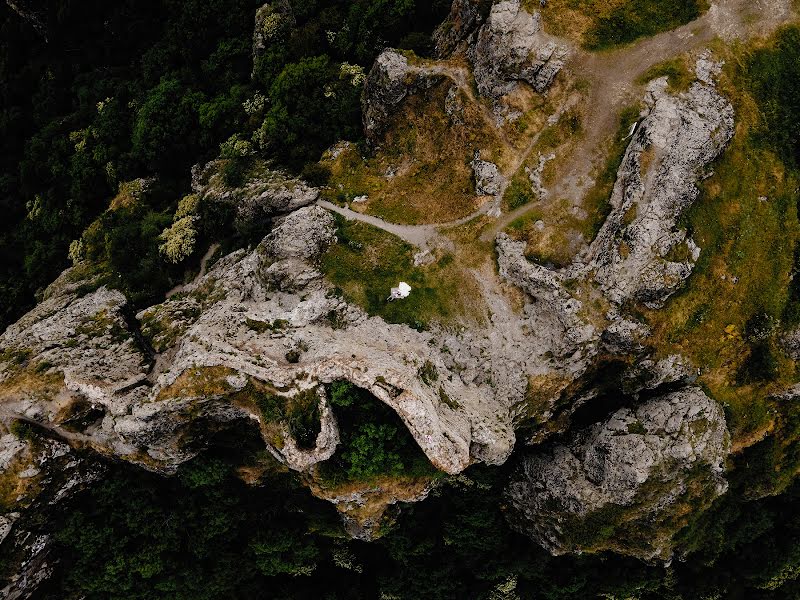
[373,501]
[421,173]
[30,382]
[572,20]
[199,382]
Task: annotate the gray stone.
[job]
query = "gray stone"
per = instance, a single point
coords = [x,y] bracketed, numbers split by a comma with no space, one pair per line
[631,256]
[622,484]
[488,179]
[267,193]
[391,79]
[511,47]
[464,17]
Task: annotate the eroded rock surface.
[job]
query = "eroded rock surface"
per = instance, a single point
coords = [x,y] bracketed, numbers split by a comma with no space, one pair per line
[488,179]
[511,47]
[625,484]
[392,78]
[464,17]
[266,193]
[641,253]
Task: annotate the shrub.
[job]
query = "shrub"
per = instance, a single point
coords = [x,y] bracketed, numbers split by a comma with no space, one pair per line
[316,174]
[374,441]
[633,20]
[760,366]
[178,240]
[519,193]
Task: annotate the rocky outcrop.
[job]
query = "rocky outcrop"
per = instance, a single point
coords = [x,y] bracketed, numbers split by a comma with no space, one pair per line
[641,253]
[37,476]
[511,48]
[266,193]
[488,179]
[393,77]
[464,18]
[626,484]
[555,311]
[236,329]
[273,20]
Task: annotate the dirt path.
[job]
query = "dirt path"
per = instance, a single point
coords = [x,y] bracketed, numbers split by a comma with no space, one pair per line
[612,76]
[421,236]
[203,264]
[612,79]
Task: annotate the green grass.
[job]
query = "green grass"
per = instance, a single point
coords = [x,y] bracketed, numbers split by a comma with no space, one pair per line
[641,18]
[597,200]
[747,225]
[367,262]
[677,72]
[518,193]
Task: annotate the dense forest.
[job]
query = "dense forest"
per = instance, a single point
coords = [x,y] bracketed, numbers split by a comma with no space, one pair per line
[204,534]
[147,88]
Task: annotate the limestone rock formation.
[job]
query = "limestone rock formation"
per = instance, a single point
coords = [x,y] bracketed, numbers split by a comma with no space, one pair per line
[464,17]
[488,179]
[391,79]
[266,193]
[640,253]
[32,12]
[625,484]
[511,47]
[36,477]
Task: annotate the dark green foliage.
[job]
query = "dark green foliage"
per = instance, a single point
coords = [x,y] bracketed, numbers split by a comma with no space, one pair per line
[374,441]
[761,365]
[428,373]
[597,198]
[120,90]
[519,193]
[126,89]
[126,241]
[311,107]
[200,535]
[773,74]
[204,534]
[303,417]
[641,18]
[316,174]
[166,125]
[234,171]
[22,430]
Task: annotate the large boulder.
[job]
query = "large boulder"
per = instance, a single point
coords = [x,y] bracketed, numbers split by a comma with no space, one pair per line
[511,48]
[392,78]
[627,484]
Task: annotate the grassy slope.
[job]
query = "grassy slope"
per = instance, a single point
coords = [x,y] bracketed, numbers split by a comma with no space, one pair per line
[747,224]
[367,262]
[605,24]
